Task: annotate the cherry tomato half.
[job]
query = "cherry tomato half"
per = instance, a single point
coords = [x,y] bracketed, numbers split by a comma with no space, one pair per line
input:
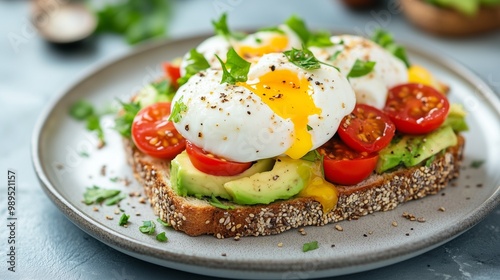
[214,165]
[172,72]
[345,166]
[154,134]
[366,129]
[416,108]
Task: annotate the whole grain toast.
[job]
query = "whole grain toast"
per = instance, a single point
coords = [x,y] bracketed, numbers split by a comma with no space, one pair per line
[377,193]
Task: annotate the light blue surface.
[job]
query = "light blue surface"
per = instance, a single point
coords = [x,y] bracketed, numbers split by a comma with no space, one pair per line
[32,72]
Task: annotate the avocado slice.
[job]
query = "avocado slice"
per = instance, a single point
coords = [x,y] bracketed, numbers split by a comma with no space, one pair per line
[411,150]
[186,180]
[287,178]
[456,118]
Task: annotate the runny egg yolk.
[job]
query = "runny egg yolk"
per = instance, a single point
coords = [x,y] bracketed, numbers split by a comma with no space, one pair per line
[290,98]
[321,190]
[275,44]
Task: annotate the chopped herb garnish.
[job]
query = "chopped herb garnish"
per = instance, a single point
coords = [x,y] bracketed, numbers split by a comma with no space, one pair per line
[313,245]
[320,39]
[197,62]
[299,27]
[335,55]
[176,114]
[98,195]
[361,68]
[164,88]
[216,203]
[115,199]
[81,110]
[476,163]
[123,219]
[303,58]
[238,66]
[84,111]
[312,156]
[114,179]
[220,26]
[163,223]
[84,154]
[222,29]
[272,29]
[123,122]
[309,128]
[148,227]
[385,39]
[161,237]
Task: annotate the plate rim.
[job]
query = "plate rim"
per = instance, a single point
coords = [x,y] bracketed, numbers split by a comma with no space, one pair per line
[127,244]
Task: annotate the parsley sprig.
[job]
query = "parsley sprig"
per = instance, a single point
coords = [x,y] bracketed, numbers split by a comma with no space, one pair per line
[148,227]
[123,122]
[361,68]
[197,62]
[304,59]
[96,194]
[235,69]
[179,108]
[84,111]
[385,39]
[221,28]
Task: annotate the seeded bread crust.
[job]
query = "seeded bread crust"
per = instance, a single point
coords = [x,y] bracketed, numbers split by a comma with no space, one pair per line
[377,193]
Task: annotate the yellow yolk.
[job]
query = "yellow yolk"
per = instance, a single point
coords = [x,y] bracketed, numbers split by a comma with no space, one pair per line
[418,74]
[290,98]
[275,44]
[322,191]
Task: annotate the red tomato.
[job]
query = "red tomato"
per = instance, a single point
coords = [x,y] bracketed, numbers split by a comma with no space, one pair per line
[173,72]
[366,129]
[211,164]
[345,166]
[154,134]
[416,108]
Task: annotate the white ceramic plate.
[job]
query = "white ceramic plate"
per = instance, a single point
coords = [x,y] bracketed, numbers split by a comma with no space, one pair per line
[368,243]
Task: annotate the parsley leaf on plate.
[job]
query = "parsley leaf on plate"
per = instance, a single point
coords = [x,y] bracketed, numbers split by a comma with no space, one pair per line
[313,245]
[161,237]
[361,68]
[238,68]
[221,28]
[148,227]
[197,62]
[123,122]
[98,195]
[115,199]
[476,163]
[81,110]
[163,223]
[123,219]
[165,89]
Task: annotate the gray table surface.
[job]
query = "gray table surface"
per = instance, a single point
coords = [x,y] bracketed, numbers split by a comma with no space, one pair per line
[32,72]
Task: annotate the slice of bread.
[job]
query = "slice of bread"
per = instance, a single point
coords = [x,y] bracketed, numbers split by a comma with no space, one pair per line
[377,193]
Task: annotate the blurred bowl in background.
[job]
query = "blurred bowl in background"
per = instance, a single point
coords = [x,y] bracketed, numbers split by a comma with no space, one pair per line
[448,22]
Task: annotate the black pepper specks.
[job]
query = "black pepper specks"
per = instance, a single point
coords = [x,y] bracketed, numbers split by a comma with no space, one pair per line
[186,127]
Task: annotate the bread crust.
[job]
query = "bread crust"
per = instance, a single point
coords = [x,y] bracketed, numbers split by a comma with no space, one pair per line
[377,193]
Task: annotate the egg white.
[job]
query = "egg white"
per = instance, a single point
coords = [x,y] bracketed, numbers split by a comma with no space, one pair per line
[232,122]
[370,89]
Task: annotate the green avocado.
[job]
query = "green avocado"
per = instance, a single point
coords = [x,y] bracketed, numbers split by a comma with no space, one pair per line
[456,118]
[411,150]
[187,180]
[287,178]
[160,91]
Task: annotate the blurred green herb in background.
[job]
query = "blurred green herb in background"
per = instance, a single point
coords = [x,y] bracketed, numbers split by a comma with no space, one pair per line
[137,20]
